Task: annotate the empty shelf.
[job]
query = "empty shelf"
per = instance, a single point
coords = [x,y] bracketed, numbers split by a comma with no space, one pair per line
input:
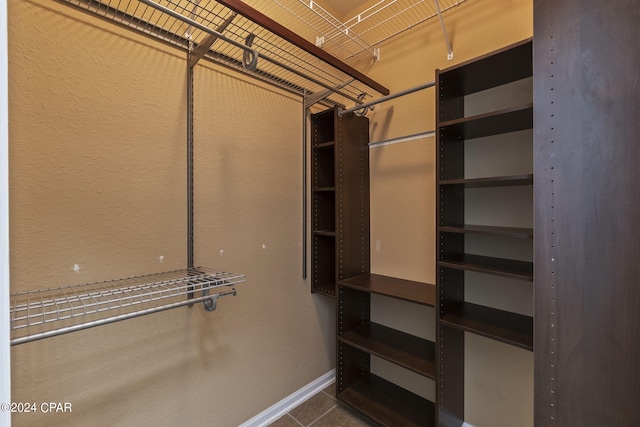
[45,313]
[388,404]
[398,347]
[329,144]
[515,269]
[418,292]
[517,232]
[493,123]
[511,328]
[494,181]
[497,68]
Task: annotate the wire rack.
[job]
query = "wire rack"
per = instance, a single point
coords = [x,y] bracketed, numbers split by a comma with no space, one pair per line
[187,24]
[363,33]
[44,313]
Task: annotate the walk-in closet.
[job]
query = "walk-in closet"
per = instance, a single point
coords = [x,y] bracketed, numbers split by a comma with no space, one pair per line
[319,213]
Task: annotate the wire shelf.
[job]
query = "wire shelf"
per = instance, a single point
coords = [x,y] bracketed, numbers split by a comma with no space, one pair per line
[364,32]
[55,311]
[188,24]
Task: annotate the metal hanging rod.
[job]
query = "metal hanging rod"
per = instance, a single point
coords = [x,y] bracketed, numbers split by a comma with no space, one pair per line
[113,319]
[197,25]
[366,105]
[35,315]
[401,139]
[248,50]
[285,59]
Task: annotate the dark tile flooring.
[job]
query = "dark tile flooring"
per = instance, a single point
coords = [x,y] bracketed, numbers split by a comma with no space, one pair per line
[321,410]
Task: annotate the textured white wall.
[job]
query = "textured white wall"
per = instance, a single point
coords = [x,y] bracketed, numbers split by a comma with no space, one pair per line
[98,179]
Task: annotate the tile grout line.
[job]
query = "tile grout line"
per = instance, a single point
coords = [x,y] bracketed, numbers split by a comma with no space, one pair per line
[314,421]
[295,419]
[331,396]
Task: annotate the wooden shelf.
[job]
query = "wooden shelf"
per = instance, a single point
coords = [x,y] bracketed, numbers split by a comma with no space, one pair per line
[387,404]
[512,63]
[494,181]
[418,292]
[516,232]
[324,189]
[521,270]
[408,351]
[325,233]
[494,123]
[504,326]
[324,144]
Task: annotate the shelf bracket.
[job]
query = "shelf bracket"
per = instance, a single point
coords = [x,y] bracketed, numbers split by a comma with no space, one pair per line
[444,31]
[198,53]
[319,96]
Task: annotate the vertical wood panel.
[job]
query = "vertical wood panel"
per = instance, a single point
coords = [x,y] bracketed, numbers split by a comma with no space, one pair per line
[586,217]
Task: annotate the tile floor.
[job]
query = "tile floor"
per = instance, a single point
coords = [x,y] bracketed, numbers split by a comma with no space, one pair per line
[321,410]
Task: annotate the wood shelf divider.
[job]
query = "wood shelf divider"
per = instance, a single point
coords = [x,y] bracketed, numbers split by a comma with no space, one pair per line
[408,351]
[388,404]
[511,328]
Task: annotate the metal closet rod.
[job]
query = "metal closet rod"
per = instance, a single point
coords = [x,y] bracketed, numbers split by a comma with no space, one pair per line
[342,112]
[255,53]
[196,24]
[61,331]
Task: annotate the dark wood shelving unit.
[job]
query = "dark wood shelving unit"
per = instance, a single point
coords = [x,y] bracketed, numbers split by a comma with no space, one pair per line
[359,338]
[339,198]
[387,404]
[500,325]
[490,75]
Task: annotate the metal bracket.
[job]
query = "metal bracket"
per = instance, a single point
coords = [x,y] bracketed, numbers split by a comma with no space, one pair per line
[250,57]
[210,304]
[198,53]
[319,96]
[364,110]
[444,31]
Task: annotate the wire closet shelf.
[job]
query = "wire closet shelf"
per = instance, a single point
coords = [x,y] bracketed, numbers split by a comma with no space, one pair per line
[45,313]
[227,37]
[363,33]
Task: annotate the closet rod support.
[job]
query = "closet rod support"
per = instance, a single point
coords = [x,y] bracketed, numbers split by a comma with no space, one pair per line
[310,100]
[198,53]
[444,31]
[113,319]
[253,53]
[342,112]
[198,25]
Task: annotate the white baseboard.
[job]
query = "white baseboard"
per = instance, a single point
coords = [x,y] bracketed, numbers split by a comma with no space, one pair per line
[467,425]
[274,412]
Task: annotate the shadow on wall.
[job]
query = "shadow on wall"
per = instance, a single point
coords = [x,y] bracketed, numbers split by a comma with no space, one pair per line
[326,312]
[380,127]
